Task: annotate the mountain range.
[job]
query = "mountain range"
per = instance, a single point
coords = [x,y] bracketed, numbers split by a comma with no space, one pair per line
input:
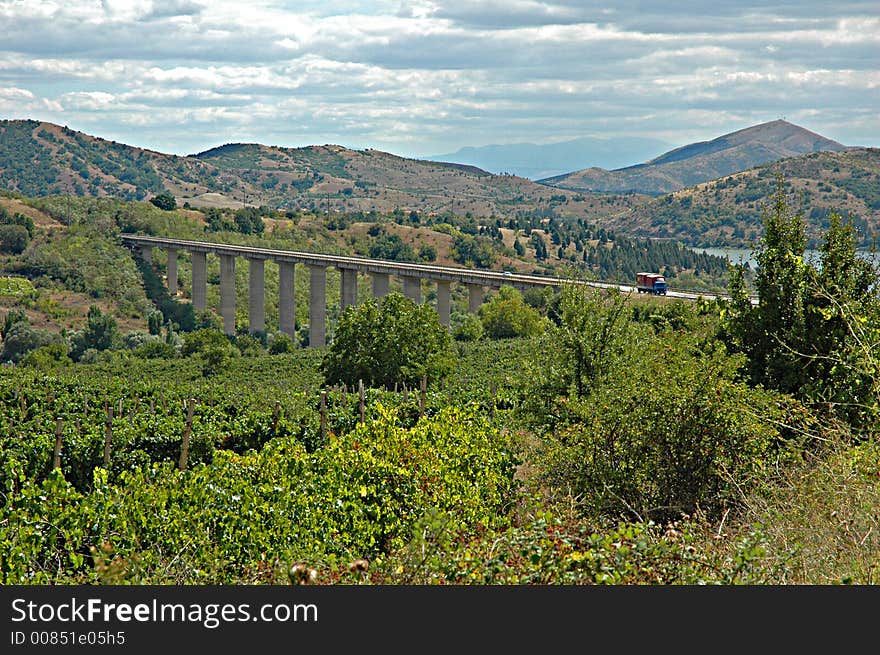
[710,193]
[38,158]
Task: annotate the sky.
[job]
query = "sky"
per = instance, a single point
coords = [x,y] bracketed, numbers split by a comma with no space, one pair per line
[417,78]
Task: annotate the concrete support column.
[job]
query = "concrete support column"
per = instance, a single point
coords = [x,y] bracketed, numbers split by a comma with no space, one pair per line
[317,306]
[200,280]
[257,296]
[443,303]
[475,297]
[349,287]
[381,285]
[286,305]
[412,288]
[146,253]
[172,270]
[227,292]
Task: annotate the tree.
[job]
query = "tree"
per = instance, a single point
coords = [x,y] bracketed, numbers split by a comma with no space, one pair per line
[807,335]
[507,315]
[470,329]
[164,201]
[518,248]
[21,339]
[839,300]
[13,239]
[398,342]
[211,347]
[427,252]
[773,333]
[12,317]
[540,246]
[101,333]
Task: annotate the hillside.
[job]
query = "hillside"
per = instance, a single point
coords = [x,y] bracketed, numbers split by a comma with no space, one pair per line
[727,211]
[700,162]
[38,159]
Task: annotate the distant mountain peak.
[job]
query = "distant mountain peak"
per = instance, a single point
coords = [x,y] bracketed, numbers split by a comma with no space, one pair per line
[702,161]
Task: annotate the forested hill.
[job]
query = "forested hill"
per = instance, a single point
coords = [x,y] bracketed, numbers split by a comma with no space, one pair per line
[727,212]
[38,159]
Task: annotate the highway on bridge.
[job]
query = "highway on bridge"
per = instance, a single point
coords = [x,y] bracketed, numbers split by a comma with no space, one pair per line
[405,269]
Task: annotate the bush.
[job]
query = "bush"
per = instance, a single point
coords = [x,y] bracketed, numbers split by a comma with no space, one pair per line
[470,329]
[281,343]
[13,239]
[22,339]
[507,315]
[398,343]
[670,433]
[47,356]
[101,333]
[164,201]
[155,350]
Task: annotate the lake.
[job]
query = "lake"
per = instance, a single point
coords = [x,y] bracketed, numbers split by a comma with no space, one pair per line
[744,255]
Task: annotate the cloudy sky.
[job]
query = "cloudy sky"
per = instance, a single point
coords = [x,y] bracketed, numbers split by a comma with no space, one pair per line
[418,77]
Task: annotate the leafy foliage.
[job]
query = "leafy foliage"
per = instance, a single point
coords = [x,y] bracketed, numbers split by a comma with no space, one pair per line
[807,335]
[506,315]
[164,201]
[397,342]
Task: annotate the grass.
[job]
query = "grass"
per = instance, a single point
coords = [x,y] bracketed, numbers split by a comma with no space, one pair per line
[821,522]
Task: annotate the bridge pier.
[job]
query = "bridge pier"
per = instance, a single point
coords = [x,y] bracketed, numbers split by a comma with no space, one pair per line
[475,297]
[227,293]
[317,306]
[380,271]
[286,304]
[381,286]
[172,270]
[199,280]
[257,296]
[412,288]
[443,302]
[349,287]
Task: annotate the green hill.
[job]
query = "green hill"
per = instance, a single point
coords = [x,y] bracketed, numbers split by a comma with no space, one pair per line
[727,211]
[39,159]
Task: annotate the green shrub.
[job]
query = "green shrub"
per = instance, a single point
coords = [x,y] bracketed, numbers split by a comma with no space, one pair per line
[671,433]
[397,343]
[13,239]
[506,315]
[155,350]
[280,344]
[470,329]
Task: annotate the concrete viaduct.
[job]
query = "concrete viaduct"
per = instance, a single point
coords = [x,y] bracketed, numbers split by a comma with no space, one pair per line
[380,271]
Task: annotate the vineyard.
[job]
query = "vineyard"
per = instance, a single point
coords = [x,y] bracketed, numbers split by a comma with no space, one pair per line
[579,437]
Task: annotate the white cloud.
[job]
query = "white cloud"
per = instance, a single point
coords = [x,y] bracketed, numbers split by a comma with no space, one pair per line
[432,76]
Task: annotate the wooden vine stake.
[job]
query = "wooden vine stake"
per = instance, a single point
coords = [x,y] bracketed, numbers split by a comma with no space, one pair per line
[275,417]
[361,400]
[56,460]
[108,437]
[184,447]
[324,414]
[422,392]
